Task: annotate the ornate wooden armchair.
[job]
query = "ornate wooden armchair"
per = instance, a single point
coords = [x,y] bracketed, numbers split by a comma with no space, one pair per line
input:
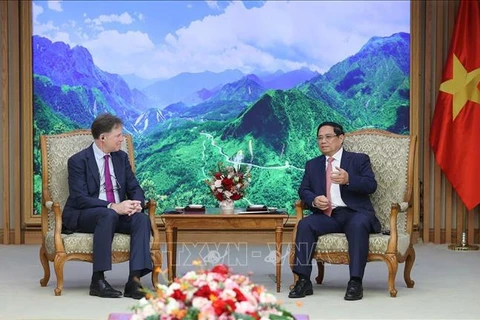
[392,158]
[58,247]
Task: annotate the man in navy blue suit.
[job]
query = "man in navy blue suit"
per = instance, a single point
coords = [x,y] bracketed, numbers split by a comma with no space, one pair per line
[344,208]
[88,210]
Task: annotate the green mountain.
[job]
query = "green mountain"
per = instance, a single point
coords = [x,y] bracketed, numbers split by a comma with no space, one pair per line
[273,132]
[372,87]
[274,137]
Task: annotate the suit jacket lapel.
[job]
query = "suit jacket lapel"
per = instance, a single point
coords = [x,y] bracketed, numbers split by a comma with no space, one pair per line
[322,172]
[346,158]
[119,173]
[116,167]
[345,164]
[92,166]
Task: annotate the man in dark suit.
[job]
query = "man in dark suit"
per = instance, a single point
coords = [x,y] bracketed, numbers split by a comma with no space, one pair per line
[105,197]
[345,207]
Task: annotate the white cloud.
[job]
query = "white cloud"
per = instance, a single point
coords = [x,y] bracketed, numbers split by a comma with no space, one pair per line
[140,16]
[55,5]
[213,4]
[123,18]
[61,36]
[282,35]
[279,35]
[37,10]
[119,52]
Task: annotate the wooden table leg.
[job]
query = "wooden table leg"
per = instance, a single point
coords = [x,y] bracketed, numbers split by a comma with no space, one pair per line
[278,244]
[174,254]
[169,238]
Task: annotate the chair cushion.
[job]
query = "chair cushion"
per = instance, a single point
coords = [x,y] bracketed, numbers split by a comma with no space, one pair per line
[378,243]
[83,242]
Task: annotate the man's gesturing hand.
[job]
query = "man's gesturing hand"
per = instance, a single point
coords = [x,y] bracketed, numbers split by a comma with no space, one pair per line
[340,176]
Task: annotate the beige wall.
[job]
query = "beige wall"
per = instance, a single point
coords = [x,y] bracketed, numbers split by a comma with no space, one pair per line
[439,214]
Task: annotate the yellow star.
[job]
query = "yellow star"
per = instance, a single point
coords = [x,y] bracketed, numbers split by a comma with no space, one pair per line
[463,86]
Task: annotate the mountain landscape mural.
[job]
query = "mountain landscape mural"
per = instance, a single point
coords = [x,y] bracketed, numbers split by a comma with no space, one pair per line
[183,126]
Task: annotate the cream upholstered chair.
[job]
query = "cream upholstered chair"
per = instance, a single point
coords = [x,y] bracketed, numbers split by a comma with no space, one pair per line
[392,157]
[60,248]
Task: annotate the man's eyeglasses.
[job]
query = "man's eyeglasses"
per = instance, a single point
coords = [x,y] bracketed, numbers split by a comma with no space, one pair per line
[327,137]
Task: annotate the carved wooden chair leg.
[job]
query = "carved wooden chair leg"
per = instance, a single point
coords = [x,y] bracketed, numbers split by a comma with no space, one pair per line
[392,265]
[58,263]
[157,267]
[321,271]
[45,265]
[408,267]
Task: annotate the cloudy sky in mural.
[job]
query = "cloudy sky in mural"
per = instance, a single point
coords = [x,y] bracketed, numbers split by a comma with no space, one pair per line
[160,39]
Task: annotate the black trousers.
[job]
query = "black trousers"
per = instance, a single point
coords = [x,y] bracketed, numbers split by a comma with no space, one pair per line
[356,226]
[103,223]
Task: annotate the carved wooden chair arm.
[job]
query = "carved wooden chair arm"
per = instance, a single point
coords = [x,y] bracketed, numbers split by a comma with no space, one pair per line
[59,247]
[299,207]
[396,208]
[47,207]
[151,206]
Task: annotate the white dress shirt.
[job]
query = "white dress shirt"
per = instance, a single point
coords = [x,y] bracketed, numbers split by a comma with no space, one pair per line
[335,188]
[99,157]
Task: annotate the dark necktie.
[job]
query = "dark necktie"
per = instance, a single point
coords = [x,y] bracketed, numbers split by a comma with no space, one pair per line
[328,174]
[108,181]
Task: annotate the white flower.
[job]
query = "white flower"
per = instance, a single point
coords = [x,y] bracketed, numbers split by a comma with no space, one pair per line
[163,306]
[174,286]
[244,307]
[172,305]
[227,294]
[200,302]
[266,297]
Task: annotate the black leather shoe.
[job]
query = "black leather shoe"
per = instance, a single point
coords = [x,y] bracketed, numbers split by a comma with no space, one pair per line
[134,289]
[302,288]
[101,288]
[354,291]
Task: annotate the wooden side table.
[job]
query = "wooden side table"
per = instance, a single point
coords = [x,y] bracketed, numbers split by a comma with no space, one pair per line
[212,219]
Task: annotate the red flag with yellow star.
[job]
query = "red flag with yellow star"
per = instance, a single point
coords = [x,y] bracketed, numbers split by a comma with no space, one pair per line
[455,131]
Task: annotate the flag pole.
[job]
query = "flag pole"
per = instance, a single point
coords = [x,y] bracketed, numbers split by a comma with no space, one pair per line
[463,246]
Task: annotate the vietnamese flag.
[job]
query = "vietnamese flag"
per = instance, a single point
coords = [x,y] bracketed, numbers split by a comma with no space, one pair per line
[455,131]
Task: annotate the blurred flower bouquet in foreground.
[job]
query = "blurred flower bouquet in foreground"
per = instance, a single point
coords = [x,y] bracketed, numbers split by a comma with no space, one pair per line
[228,182]
[210,294]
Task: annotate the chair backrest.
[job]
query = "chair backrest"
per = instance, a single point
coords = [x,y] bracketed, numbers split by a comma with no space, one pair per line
[392,157]
[56,149]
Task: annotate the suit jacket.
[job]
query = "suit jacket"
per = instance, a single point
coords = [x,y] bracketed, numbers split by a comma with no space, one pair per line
[361,184]
[84,184]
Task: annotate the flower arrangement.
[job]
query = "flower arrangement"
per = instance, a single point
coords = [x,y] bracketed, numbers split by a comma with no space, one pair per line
[228,182]
[209,295]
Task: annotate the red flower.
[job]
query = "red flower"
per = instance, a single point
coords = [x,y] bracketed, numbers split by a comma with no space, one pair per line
[254,315]
[204,291]
[236,196]
[230,305]
[227,183]
[223,306]
[178,295]
[219,306]
[239,295]
[221,268]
